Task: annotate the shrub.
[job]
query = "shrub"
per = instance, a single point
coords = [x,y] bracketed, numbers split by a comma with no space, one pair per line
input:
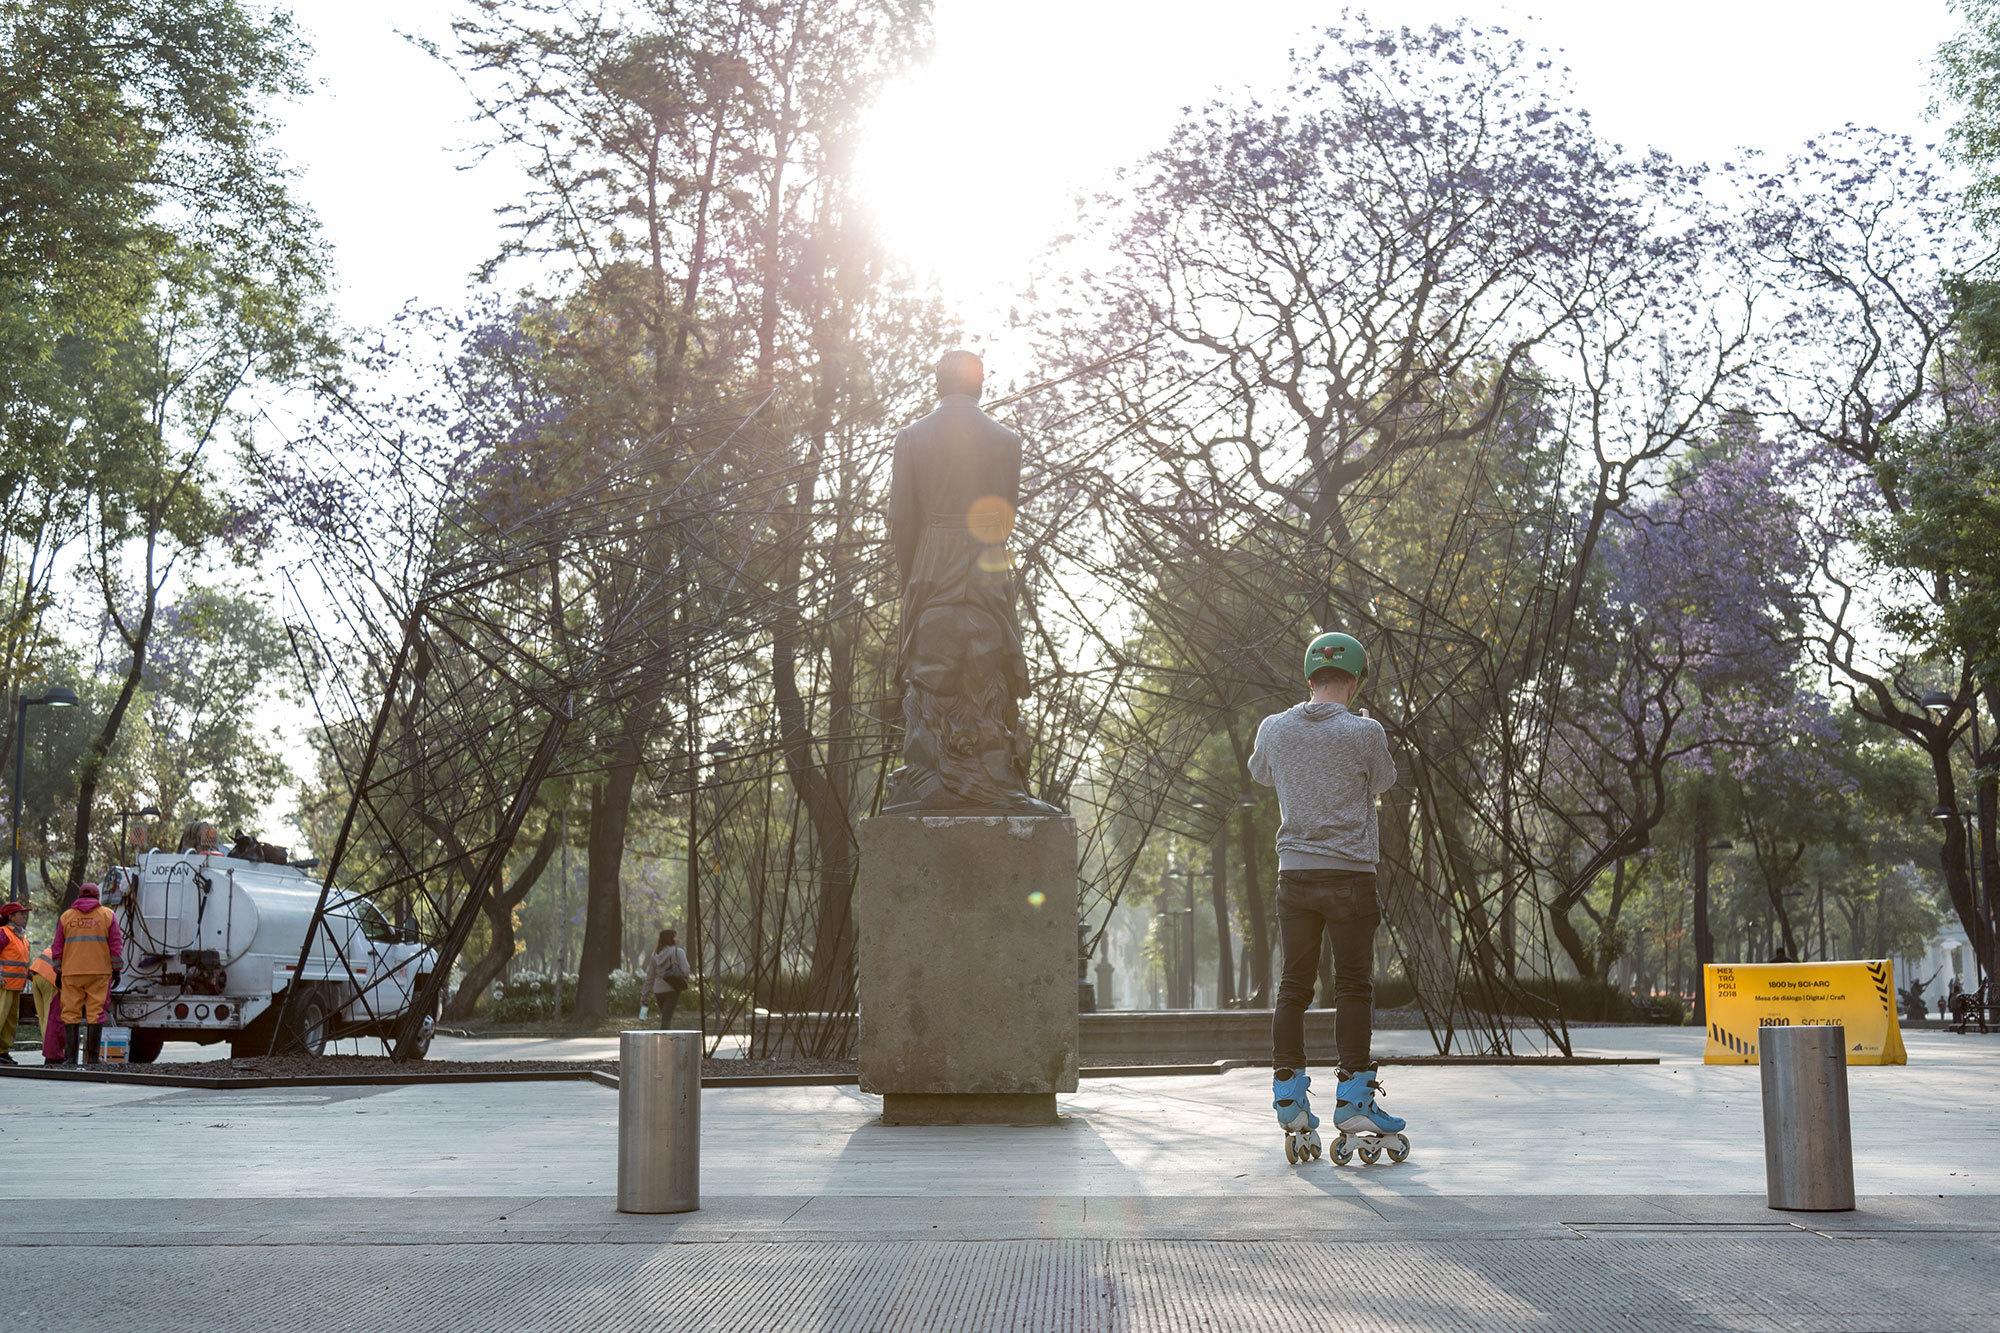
[529,997]
[1587,1000]
[1581,999]
[1394,992]
[1671,1008]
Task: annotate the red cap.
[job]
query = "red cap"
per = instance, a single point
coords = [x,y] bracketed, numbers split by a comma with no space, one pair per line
[8,909]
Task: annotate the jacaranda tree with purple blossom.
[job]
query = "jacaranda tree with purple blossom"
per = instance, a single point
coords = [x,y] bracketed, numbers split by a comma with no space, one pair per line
[1699,664]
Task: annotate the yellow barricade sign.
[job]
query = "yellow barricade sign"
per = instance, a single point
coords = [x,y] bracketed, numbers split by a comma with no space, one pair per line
[1860,997]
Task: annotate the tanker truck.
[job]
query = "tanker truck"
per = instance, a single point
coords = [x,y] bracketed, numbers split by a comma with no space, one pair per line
[212,945]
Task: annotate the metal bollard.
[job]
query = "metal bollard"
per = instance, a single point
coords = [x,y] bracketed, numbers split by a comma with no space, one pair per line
[1808,1147]
[659,1122]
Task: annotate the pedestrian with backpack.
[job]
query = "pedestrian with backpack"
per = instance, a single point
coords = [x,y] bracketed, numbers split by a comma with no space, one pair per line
[667,975]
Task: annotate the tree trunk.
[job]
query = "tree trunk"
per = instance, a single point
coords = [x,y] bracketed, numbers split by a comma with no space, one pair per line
[1607,928]
[826,809]
[1253,882]
[603,919]
[1412,914]
[1882,918]
[1775,890]
[1578,949]
[1955,859]
[1989,827]
[1225,969]
[499,910]
[819,786]
[138,640]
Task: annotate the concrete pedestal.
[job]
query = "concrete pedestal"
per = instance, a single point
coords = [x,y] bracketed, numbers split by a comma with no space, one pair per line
[967,956]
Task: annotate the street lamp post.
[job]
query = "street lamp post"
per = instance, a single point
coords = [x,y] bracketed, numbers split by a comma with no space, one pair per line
[1180,983]
[143,812]
[1980,905]
[59,696]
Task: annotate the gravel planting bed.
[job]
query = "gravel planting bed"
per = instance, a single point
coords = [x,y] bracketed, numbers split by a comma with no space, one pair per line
[346,1066]
[341,1066]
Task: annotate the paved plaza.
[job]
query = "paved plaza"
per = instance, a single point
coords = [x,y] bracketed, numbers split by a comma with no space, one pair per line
[1605,1197]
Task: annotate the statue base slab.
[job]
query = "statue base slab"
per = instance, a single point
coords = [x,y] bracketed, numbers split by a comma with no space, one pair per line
[966,945]
[968,1108]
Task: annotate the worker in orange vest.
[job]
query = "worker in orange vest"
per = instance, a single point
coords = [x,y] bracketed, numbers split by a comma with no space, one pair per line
[43,977]
[88,948]
[13,974]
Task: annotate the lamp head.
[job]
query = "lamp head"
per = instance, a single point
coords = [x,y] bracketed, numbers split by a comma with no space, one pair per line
[1938,701]
[1942,812]
[58,696]
[148,812]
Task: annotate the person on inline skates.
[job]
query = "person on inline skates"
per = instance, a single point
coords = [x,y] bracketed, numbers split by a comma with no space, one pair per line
[1328,764]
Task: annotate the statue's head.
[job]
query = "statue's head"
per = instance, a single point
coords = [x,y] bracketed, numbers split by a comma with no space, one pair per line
[960,371]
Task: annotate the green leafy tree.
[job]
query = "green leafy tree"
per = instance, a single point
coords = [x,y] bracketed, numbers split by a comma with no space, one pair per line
[218,664]
[152,262]
[155,425]
[691,165]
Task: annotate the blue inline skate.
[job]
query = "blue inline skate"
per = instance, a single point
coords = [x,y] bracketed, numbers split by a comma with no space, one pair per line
[1295,1117]
[1364,1126]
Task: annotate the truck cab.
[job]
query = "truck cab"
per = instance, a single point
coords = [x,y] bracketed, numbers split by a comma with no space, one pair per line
[212,947]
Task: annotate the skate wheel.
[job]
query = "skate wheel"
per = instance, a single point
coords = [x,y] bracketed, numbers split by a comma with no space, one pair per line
[1371,1154]
[1291,1150]
[1343,1153]
[1399,1148]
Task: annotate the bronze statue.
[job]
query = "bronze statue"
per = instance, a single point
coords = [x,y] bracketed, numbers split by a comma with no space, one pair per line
[955,483]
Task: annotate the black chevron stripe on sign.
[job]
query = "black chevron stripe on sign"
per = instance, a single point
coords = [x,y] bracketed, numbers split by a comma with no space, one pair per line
[1730,1039]
[1880,973]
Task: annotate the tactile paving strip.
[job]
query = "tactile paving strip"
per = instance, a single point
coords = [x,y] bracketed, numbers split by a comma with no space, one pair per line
[1644,1282]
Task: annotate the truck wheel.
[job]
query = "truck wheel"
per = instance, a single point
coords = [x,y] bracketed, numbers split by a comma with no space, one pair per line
[419,1046]
[310,1022]
[146,1045]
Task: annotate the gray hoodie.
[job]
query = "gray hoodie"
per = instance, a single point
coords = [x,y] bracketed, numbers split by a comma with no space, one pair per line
[1328,766]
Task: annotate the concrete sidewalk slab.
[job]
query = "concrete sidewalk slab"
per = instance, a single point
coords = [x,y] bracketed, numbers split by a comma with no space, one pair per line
[1675,1128]
[1536,1198]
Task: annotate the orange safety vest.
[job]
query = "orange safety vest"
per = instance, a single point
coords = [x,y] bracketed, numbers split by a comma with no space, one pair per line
[87,942]
[44,965]
[13,959]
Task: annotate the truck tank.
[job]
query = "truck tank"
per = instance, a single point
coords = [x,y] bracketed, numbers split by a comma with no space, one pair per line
[192,903]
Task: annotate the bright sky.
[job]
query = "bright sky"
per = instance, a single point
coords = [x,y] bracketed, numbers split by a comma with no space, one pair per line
[1059,93]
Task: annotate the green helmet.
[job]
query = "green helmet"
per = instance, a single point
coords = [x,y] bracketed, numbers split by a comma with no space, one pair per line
[1337,650]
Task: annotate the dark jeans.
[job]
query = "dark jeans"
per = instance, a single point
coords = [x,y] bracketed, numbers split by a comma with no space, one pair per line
[1326,904]
[663,1005]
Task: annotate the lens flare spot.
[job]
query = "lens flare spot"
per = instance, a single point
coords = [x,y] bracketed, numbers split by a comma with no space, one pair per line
[1037,898]
[991,519]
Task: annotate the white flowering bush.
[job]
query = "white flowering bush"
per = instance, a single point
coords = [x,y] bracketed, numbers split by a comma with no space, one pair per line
[529,997]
